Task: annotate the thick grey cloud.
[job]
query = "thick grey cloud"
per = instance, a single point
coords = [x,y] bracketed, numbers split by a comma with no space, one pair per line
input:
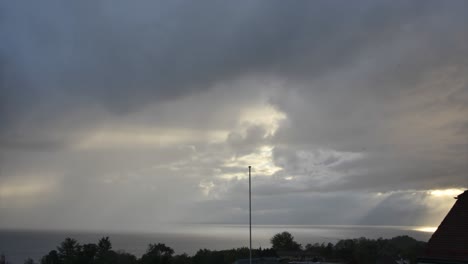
[350,113]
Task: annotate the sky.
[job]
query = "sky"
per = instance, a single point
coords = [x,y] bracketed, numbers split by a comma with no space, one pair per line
[133,115]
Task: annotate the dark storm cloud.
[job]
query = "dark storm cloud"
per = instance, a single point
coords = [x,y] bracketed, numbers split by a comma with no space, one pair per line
[125,55]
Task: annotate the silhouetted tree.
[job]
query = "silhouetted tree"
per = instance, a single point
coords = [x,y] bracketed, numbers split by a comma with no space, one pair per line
[104,254]
[51,258]
[284,241]
[344,249]
[365,250]
[312,248]
[29,261]
[157,254]
[360,251]
[104,245]
[407,247]
[181,259]
[328,251]
[88,253]
[121,257]
[206,256]
[68,251]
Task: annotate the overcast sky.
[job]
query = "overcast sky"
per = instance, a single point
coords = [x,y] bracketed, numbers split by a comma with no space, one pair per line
[129,115]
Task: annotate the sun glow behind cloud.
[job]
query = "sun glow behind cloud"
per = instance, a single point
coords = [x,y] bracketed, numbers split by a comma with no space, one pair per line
[261,160]
[265,116]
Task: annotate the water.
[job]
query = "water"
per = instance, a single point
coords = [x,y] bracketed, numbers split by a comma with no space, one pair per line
[18,245]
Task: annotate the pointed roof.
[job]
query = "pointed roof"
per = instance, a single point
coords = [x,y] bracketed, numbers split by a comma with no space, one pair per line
[450,241]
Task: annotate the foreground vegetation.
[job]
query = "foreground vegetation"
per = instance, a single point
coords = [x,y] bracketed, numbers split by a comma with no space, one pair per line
[360,250]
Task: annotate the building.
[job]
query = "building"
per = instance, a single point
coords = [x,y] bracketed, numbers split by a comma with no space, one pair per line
[449,243]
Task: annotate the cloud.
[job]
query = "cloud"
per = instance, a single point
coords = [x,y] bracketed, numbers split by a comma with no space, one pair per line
[160,107]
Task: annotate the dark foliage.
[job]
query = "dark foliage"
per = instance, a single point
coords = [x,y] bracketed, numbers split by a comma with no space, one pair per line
[284,241]
[157,254]
[360,251]
[51,258]
[365,250]
[229,256]
[70,252]
[29,261]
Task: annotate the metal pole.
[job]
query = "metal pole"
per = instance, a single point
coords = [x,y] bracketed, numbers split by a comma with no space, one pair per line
[250,215]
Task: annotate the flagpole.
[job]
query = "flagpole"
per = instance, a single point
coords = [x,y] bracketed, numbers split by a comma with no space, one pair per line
[250,216]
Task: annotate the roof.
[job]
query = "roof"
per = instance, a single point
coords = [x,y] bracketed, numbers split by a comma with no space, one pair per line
[450,240]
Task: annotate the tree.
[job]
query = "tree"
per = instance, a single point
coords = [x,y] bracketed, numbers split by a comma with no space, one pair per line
[51,258]
[121,257]
[328,252]
[29,261]
[88,254]
[104,253]
[157,254]
[284,241]
[344,249]
[182,259]
[104,245]
[312,248]
[68,251]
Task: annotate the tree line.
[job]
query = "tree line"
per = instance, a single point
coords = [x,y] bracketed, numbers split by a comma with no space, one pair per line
[361,250]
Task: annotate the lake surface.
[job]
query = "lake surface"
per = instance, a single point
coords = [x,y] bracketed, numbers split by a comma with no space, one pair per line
[18,245]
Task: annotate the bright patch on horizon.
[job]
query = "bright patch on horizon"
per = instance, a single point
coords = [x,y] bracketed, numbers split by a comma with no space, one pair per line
[446,192]
[426,229]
